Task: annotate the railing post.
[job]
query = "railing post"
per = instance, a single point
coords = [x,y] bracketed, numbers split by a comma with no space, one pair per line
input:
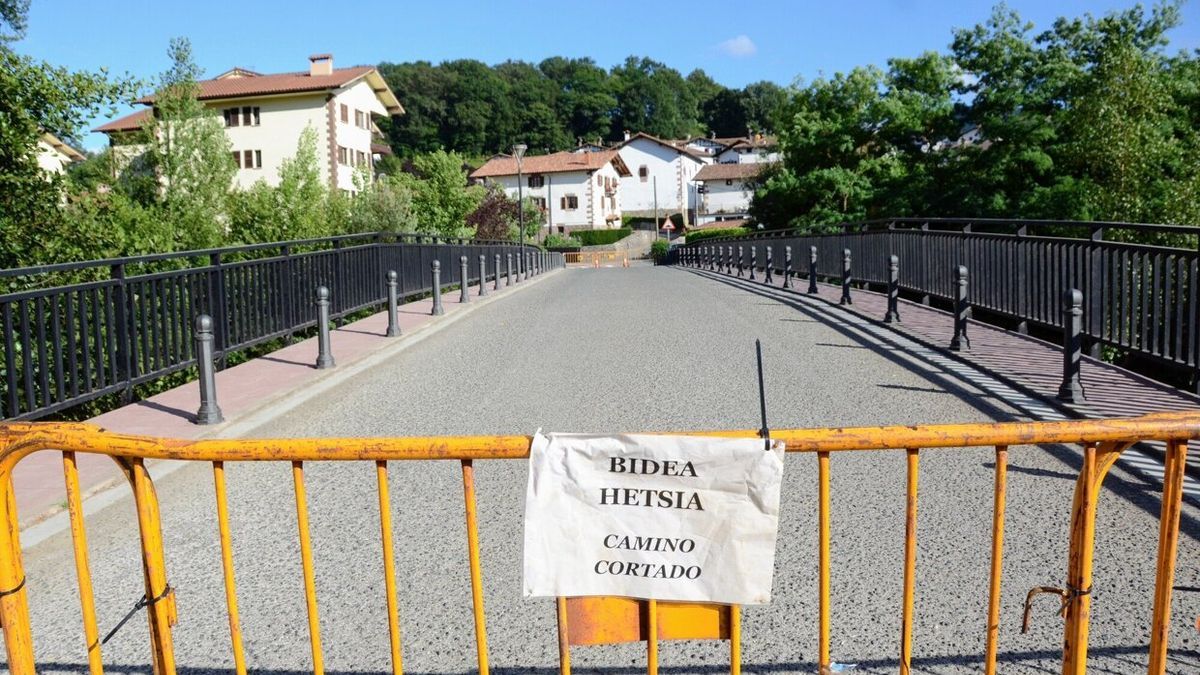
[508,281]
[893,306]
[209,412]
[767,279]
[496,281]
[753,261]
[812,270]
[482,275]
[846,300]
[729,260]
[519,255]
[393,329]
[1071,389]
[437,289]
[741,260]
[464,272]
[123,317]
[217,307]
[961,309]
[787,266]
[324,356]
[720,258]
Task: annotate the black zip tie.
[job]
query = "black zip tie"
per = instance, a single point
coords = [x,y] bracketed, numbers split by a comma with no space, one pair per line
[142,602]
[14,589]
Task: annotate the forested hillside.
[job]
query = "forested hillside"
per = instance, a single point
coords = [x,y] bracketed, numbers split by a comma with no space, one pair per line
[476,109]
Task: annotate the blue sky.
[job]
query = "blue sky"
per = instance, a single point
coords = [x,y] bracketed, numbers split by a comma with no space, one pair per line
[735,42]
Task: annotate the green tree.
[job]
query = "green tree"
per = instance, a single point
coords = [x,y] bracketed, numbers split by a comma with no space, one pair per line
[653,98]
[37,97]
[762,102]
[584,103]
[423,89]
[190,154]
[382,205]
[441,198]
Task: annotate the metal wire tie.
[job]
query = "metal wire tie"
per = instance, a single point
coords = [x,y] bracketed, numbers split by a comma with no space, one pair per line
[142,602]
[1066,595]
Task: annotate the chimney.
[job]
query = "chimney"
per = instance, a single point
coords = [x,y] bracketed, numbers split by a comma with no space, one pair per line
[626,134]
[320,64]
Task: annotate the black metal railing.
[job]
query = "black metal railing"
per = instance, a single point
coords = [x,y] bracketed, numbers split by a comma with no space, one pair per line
[1139,298]
[132,322]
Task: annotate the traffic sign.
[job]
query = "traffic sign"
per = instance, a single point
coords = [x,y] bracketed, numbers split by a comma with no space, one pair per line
[668,225]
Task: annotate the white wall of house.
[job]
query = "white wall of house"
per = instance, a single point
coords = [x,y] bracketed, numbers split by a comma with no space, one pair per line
[282,119]
[745,155]
[672,169]
[722,200]
[355,137]
[51,159]
[596,207]
[277,135]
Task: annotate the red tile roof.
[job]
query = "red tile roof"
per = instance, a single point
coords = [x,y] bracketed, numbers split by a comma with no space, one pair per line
[130,122]
[731,171]
[279,83]
[559,162]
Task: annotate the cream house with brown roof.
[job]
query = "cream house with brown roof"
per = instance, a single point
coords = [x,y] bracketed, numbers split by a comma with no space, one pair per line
[575,190]
[264,116]
[725,190]
[54,154]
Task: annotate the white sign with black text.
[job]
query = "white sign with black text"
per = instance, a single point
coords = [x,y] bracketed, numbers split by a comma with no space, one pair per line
[679,518]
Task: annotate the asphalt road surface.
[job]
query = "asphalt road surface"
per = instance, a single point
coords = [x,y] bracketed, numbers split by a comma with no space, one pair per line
[610,350]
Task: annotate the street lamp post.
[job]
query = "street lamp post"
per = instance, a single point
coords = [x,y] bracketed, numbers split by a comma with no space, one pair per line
[519,152]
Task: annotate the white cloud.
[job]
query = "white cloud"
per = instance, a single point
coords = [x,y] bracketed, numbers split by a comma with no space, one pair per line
[738,47]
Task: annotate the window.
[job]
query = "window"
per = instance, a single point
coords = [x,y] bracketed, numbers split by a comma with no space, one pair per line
[358,119]
[643,173]
[237,158]
[537,180]
[361,158]
[729,181]
[345,114]
[231,117]
[539,202]
[251,159]
[569,202]
[343,157]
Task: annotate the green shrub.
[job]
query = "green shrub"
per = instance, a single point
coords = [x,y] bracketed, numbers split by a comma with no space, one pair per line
[659,250]
[557,242]
[700,235]
[601,237]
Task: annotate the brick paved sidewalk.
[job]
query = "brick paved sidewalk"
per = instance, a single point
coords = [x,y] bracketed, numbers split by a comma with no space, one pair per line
[241,390]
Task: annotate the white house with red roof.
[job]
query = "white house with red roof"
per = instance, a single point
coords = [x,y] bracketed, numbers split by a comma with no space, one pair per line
[661,173]
[575,190]
[265,114]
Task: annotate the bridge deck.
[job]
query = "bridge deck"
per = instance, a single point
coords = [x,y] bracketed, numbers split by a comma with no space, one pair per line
[617,350]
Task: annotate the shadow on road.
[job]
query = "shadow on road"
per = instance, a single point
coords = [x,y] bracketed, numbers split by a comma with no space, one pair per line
[1179,660]
[1144,494]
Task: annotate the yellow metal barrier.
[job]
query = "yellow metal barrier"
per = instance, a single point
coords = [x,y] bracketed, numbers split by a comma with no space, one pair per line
[598,258]
[582,622]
